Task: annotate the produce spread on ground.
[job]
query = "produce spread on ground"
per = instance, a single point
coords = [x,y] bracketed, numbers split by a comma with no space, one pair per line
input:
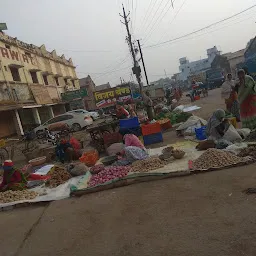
[90,172]
[11,196]
[215,158]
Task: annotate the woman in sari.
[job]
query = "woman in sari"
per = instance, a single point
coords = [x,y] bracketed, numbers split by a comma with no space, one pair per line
[13,179]
[247,100]
[134,150]
[217,126]
[226,90]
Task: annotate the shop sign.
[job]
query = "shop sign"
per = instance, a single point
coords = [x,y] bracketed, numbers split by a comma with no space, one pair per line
[72,95]
[109,97]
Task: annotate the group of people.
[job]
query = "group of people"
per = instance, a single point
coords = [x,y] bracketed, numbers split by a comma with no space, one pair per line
[240,98]
[129,110]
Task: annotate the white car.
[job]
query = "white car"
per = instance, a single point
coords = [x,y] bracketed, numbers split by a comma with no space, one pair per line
[74,121]
[95,115]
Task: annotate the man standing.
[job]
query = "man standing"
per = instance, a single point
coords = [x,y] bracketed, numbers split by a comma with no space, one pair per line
[149,104]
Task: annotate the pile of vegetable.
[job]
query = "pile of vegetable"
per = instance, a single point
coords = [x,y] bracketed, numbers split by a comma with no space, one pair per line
[107,174]
[146,165]
[11,196]
[215,158]
[163,121]
[175,118]
[250,151]
[58,176]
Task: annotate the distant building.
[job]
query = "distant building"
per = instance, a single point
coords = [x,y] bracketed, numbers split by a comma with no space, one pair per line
[102,87]
[89,85]
[31,83]
[188,68]
[228,62]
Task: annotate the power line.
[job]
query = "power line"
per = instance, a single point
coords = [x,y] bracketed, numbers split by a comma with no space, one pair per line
[144,22]
[175,16]
[153,28]
[201,29]
[149,24]
[212,31]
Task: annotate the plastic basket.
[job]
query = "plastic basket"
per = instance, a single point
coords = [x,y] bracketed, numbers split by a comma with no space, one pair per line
[153,138]
[129,123]
[135,130]
[200,133]
[148,129]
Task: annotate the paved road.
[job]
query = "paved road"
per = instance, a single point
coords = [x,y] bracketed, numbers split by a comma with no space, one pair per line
[198,215]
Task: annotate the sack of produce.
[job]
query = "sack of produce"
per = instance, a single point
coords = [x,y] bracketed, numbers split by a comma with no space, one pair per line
[58,127]
[204,145]
[115,148]
[77,169]
[232,135]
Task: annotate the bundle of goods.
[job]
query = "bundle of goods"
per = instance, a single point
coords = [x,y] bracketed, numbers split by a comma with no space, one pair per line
[251,136]
[151,133]
[215,158]
[58,127]
[171,152]
[146,165]
[11,196]
[90,158]
[58,176]
[106,174]
[250,151]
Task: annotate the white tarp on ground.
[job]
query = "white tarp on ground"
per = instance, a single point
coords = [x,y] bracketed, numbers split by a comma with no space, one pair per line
[48,194]
[178,164]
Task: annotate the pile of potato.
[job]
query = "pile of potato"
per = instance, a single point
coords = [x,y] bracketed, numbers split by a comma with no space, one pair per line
[58,176]
[250,151]
[149,164]
[11,196]
[215,158]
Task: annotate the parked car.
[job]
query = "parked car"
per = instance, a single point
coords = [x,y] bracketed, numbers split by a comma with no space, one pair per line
[95,115]
[74,121]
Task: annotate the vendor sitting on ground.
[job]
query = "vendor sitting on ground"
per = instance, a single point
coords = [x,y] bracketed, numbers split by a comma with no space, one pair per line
[121,112]
[217,125]
[67,151]
[13,179]
[134,150]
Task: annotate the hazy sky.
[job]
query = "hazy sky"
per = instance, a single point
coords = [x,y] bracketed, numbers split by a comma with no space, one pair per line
[91,33]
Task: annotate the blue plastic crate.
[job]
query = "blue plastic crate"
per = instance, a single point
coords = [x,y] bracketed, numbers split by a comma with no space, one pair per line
[153,138]
[129,123]
[201,133]
[133,130]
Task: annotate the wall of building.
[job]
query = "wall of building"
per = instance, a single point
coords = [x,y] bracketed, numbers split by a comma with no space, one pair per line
[29,58]
[188,68]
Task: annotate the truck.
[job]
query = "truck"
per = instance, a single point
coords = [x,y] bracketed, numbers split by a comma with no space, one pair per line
[214,78]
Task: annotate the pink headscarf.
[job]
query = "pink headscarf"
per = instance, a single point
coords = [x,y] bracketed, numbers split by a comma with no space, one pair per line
[132,140]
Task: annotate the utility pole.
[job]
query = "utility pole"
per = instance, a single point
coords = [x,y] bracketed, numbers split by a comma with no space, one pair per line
[136,68]
[165,73]
[143,63]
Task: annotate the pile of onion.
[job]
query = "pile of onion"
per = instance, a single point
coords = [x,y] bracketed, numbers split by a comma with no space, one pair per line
[108,174]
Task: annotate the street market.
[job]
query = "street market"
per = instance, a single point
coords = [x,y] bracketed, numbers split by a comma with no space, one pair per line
[122,152]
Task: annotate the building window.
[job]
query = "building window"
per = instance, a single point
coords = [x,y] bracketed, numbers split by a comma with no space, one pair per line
[7,46]
[45,79]
[57,81]
[182,69]
[15,74]
[73,83]
[5,68]
[28,54]
[66,81]
[34,77]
